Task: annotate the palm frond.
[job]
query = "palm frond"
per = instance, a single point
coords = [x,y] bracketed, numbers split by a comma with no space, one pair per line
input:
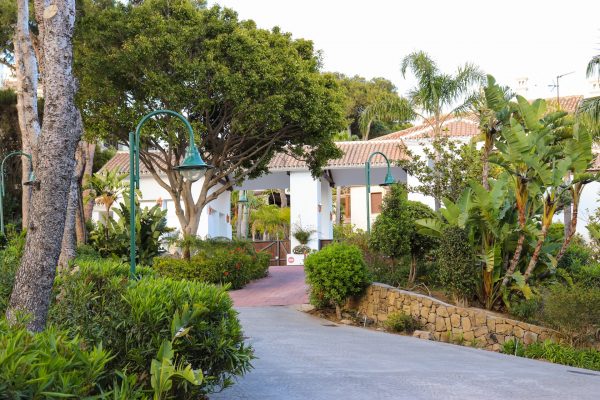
[593,67]
[395,109]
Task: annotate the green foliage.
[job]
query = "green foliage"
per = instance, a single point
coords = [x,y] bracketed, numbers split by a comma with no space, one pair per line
[527,309]
[133,319]
[555,353]
[10,259]
[335,273]
[461,164]
[395,232]
[49,365]
[271,221]
[400,322]
[226,263]
[302,234]
[112,239]
[456,264]
[360,94]
[10,140]
[574,311]
[101,157]
[262,87]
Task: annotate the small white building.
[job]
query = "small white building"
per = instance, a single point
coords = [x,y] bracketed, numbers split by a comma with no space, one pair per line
[214,220]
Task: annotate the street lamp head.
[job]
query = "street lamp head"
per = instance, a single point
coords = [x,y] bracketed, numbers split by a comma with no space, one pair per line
[31,180]
[193,166]
[243,198]
[389,180]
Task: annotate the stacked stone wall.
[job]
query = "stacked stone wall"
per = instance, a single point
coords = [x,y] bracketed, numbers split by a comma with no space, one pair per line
[449,323]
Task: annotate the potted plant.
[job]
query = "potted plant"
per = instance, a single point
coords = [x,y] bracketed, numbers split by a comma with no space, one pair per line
[299,252]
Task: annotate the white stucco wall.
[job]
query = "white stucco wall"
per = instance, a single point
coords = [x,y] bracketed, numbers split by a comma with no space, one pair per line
[213,220]
[358,206]
[311,207]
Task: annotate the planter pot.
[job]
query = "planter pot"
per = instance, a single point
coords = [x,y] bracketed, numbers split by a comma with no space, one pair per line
[295,259]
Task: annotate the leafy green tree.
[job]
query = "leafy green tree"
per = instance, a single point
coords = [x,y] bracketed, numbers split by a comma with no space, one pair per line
[395,232]
[271,221]
[105,190]
[436,98]
[361,93]
[462,163]
[249,93]
[590,109]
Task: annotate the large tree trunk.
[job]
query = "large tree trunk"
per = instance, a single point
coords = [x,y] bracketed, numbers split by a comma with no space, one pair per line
[536,252]
[71,234]
[572,228]
[69,241]
[54,163]
[27,106]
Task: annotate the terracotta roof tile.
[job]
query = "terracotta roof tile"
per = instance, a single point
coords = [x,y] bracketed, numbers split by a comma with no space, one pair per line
[468,126]
[355,154]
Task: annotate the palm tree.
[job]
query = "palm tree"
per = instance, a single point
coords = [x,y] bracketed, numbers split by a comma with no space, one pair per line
[590,108]
[436,98]
[105,189]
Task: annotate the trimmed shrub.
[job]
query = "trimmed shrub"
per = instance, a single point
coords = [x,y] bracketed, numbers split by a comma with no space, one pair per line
[133,320]
[456,264]
[225,263]
[556,353]
[588,276]
[574,311]
[527,309]
[395,233]
[335,273]
[400,322]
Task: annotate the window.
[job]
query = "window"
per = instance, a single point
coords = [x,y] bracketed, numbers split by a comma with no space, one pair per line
[376,202]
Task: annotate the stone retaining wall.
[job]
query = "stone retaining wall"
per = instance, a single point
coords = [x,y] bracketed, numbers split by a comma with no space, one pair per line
[449,323]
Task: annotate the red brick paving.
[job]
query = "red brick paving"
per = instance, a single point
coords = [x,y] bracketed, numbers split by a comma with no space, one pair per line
[283,286]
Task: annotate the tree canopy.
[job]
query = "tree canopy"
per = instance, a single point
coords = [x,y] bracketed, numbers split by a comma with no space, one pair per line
[249,93]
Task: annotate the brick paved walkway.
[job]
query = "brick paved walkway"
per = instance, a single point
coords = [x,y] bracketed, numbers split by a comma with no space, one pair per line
[283,287]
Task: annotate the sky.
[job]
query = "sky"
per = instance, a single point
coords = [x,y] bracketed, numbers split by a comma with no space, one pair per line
[509,39]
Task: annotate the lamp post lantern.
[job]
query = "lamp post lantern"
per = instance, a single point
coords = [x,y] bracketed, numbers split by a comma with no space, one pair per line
[192,168]
[28,182]
[389,180]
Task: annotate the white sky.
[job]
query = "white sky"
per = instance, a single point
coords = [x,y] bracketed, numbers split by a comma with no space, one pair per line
[509,39]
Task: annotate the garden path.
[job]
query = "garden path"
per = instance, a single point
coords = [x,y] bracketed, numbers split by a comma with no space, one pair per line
[283,286]
[302,357]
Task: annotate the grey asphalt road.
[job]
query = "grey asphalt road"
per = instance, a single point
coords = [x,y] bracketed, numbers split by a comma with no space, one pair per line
[302,357]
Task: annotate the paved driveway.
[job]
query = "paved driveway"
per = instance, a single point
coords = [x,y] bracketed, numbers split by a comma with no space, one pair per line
[301,357]
[283,286]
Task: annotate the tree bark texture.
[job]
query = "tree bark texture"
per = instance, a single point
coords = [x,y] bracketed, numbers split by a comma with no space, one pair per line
[53,162]
[69,240]
[90,152]
[27,106]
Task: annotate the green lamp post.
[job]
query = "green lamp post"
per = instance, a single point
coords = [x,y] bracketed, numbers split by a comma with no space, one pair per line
[389,180]
[192,168]
[29,181]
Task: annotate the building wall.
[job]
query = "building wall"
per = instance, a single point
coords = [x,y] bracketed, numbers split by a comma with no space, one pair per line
[214,220]
[358,206]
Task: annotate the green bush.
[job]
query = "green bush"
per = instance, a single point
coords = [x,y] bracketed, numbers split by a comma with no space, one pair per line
[134,319]
[556,353]
[150,227]
[573,310]
[218,262]
[400,322]
[10,258]
[527,309]
[457,269]
[50,365]
[335,273]
[577,255]
[588,276]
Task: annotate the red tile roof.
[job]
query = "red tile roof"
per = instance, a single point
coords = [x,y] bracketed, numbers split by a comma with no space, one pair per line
[465,126]
[468,126]
[355,154]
